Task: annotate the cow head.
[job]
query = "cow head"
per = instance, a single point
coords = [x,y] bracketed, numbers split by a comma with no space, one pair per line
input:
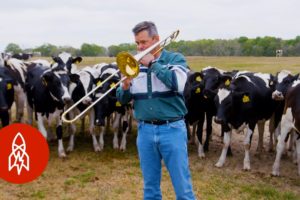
[284,79]
[64,61]
[81,84]
[227,101]
[57,83]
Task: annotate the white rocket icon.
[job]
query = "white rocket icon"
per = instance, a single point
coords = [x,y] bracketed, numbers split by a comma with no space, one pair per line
[18,157]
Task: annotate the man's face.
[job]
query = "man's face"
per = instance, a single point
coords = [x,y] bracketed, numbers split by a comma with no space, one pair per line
[144,41]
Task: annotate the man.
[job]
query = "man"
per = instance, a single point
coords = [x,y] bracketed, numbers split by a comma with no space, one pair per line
[159,109]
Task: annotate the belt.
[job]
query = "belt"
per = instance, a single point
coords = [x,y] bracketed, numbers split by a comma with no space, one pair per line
[161,122]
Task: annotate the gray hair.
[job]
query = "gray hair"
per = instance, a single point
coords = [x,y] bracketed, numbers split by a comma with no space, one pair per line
[148,26]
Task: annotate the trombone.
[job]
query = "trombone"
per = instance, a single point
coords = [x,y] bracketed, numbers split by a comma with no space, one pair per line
[128,65]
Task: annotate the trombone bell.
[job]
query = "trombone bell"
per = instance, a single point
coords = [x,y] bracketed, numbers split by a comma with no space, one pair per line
[127,64]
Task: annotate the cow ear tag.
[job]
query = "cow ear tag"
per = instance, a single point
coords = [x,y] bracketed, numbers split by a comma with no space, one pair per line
[198,90]
[246,99]
[98,83]
[198,78]
[112,85]
[8,86]
[227,82]
[118,104]
[44,82]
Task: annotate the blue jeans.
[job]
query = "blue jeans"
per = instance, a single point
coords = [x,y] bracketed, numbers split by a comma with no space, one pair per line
[167,142]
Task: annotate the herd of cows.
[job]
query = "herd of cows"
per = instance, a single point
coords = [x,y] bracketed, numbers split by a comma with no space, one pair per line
[235,100]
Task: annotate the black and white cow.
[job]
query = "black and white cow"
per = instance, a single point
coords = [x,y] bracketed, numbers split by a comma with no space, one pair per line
[78,89]
[6,94]
[65,61]
[22,56]
[200,90]
[247,101]
[18,70]
[287,92]
[108,106]
[47,94]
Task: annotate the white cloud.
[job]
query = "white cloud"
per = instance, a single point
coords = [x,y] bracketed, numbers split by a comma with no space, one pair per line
[62,22]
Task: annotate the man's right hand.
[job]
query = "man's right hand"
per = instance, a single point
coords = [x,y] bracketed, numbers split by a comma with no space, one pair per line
[126,83]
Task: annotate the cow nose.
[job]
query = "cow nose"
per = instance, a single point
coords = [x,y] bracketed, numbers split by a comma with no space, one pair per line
[67,100]
[87,101]
[218,120]
[277,95]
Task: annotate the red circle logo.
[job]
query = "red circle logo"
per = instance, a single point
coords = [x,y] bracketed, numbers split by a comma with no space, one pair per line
[24,153]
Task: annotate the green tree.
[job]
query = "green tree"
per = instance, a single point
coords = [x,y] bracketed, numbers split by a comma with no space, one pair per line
[13,48]
[92,50]
[47,50]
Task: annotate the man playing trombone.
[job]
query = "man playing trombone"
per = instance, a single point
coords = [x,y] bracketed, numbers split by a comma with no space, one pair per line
[157,94]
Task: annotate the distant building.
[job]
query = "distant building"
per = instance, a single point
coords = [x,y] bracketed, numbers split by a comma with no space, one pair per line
[279,52]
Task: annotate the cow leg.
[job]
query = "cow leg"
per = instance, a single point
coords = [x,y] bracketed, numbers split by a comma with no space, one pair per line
[286,127]
[297,137]
[72,134]
[115,127]
[247,145]
[20,102]
[294,149]
[29,114]
[261,129]
[201,153]
[208,130]
[125,129]
[59,134]
[4,118]
[41,126]
[92,131]
[101,140]
[226,141]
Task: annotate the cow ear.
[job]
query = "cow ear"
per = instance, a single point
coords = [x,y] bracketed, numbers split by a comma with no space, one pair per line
[226,80]
[56,59]
[46,78]
[296,76]
[77,60]
[74,78]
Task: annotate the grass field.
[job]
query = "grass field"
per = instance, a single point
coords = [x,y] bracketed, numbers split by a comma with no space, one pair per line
[112,174]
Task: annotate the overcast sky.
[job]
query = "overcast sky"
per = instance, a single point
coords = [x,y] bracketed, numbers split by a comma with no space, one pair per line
[32,23]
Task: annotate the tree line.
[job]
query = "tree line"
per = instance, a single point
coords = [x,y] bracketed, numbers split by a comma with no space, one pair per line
[242,46]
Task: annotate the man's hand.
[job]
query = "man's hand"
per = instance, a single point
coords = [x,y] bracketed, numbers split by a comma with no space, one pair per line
[147,59]
[126,83]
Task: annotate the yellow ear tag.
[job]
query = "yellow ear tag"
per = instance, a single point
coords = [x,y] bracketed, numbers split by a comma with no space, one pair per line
[246,99]
[118,104]
[112,85]
[198,90]
[227,82]
[198,78]
[98,83]
[76,62]
[8,86]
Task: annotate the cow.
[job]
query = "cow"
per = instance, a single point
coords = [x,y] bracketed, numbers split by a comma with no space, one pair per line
[108,106]
[246,102]
[199,93]
[287,86]
[47,94]
[18,70]
[66,61]
[22,56]
[6,94]
[78,89]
